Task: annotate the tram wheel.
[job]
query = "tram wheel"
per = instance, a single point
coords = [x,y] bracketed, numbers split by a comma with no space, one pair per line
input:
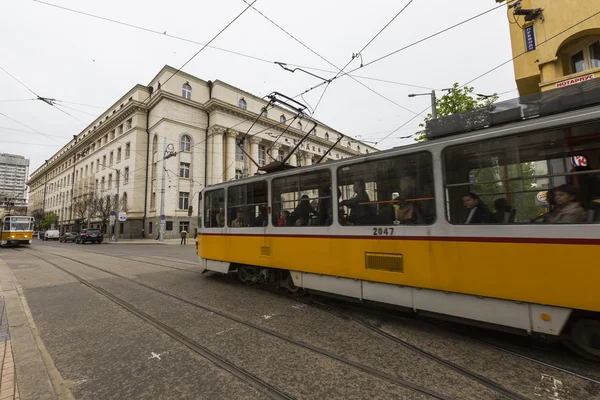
[288,283]
[246,274]
[585,338]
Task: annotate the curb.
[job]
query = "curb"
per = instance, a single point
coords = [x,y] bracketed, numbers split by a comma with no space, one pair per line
[37,375]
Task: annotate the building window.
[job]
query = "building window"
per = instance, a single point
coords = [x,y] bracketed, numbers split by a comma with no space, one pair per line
[126,175]
[326,136]
[262,153]
[102,184]
[97,165]
[184,170]
[128,124]
[349,144]
[239,155]
[186,143]
[186,91]
[280,155]
[119,155]
[153,200]
[184,226]
[150,227]
[169,226]
[104,162]
[110,181]
[577,63]
[127,149]
[120,129]
[242,104]
[358,148]
[264,112]
[595,54]
[299,125]
[112,135]
[93,146]
[238,174]
[282,118]
[110,158]
[184,200]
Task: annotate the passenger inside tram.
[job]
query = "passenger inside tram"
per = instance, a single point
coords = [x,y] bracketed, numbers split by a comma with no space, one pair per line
[221,218]
[239,221]
[262,219]
[568,210]
[359,212]
[283,219]
[303,211]
[407,209]
[477,211]
[504,214]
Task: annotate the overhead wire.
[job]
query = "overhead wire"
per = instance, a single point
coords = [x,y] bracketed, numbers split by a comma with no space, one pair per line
[525,52]
[499,66]
[327,61]
[28,127]
[164,34]
[411,45]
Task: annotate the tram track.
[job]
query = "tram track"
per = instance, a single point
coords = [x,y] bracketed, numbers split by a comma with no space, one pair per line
[476,339]
[220,360]
[247,377]
[123,257]
[458,369]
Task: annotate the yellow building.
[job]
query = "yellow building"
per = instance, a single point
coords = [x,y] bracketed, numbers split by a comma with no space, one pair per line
[552,46]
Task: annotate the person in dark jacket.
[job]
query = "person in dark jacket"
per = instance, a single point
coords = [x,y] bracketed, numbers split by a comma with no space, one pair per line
[303,211]
[477,212]
[503,211]
[359,211]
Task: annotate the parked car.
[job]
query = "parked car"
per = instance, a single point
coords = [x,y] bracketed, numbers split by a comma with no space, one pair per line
[89,235]
[67,237]
[51,234]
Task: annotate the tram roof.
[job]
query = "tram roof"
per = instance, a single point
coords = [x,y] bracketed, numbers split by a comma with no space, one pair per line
[555,101]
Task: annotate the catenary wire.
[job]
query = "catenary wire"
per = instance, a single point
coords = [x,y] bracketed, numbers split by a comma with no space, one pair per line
[164,34]
[412,44]
[327,61]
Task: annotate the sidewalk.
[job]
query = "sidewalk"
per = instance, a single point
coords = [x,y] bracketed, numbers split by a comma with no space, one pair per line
[26,368]
[175,241]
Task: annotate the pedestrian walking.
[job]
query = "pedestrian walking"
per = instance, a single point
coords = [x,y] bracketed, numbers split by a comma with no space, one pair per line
[183,236]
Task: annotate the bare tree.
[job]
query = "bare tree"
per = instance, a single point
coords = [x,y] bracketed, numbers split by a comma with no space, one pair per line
[83,207]
[102,209]
[124,203]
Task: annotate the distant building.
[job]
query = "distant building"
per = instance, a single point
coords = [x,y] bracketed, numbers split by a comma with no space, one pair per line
[14,171]
[547,58]
[122,152]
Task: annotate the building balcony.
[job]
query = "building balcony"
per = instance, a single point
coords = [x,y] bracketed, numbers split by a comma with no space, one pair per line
[572,79]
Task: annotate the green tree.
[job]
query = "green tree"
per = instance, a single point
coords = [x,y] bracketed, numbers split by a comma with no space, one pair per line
[49,219]
[457,100]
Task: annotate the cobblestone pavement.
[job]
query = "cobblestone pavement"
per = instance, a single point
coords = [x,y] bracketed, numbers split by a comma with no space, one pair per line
[8,381]
[100,350]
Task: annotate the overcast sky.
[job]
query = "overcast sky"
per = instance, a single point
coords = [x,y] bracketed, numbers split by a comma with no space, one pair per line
[79,59]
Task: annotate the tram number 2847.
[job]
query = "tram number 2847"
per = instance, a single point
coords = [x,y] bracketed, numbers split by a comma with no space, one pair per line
[383,231]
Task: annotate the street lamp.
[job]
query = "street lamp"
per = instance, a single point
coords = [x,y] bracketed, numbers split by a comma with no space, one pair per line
[432,94]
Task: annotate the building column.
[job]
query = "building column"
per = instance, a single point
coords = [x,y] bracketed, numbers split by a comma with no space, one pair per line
[307,158]
[209,159]
[292,160]
[273,152]
[230,160]
[218,156]
[254,142]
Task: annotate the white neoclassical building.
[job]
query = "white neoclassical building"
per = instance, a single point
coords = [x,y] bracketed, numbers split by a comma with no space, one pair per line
[122,152]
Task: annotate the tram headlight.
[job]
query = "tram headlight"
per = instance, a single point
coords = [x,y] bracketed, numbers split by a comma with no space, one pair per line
[12,236]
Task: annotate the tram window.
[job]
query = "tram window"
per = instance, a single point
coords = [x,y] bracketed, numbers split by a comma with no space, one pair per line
[213,202]
[302,200]
[247,205]
[391,191]
[514,177]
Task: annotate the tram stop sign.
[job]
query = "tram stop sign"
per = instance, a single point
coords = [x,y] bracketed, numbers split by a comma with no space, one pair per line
[112,217]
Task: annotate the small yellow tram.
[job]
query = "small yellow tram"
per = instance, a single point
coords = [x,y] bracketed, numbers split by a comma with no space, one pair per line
[16,230]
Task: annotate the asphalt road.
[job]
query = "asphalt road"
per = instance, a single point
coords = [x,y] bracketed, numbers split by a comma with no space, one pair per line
[300,350]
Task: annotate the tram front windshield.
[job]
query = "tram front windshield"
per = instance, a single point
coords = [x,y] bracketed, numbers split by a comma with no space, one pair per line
[20,225]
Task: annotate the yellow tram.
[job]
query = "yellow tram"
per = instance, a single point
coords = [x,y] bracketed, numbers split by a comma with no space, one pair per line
[416,226]
[16,230]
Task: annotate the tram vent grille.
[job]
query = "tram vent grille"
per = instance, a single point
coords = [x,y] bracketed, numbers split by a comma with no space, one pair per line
[265,251]
[384,262]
